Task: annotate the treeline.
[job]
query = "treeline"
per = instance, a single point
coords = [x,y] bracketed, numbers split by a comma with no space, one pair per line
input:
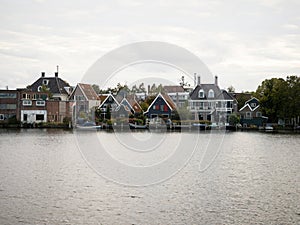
[280,99]
[154,89]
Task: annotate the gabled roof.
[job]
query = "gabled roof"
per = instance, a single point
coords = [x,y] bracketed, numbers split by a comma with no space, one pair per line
[126,104]
[224,95]
[248,104]
[173,89]
[107,97]
[166,99]
[55,84]
[205,88]
[88,91]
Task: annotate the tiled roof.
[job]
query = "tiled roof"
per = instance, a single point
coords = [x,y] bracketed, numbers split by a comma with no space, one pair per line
[206,88]
[55,84]
[173,89]
[170,101]
[88,91]
[225,95]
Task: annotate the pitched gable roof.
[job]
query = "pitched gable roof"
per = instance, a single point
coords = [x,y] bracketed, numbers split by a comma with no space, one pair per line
[88,91]
[225,95]
[248,104]
[173,88]
[107,98]
[166,99]
[55,84]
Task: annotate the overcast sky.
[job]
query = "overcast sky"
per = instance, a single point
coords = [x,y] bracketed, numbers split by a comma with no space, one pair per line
[243,42]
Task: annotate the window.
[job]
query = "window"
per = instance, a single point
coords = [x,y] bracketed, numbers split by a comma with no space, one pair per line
[45,82]
[253,104]
[39,117]
[248,114]
[154,107]
[39,88]
[25,117]
[201,94]
[258,114]
[2,117]
[201,105]
[161,107]
[8,95]
[27,102]
[40,103]
[211,93]
[8,106]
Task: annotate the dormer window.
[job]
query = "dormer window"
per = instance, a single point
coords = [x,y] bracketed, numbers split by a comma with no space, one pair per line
[45,82]
[201,93]
[211,93]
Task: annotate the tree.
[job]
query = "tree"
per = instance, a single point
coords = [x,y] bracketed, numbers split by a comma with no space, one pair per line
[279,98]
[231,89]
[45,89]
[142,88]
[233,119]
[96,88]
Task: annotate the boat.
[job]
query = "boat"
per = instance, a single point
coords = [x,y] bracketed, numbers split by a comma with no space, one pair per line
[200,126]
[89,126]
[135,126]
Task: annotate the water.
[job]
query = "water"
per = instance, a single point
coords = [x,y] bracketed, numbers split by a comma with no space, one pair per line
[255,179]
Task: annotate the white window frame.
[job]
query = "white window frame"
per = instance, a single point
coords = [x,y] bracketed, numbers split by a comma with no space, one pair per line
[45,82]
[27,103]
[201,93]
[40,103]
[211,93]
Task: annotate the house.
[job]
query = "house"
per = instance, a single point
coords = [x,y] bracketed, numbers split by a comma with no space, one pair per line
[129,101]
[32,106]
[178,94]
[85,99]
[250,114]
[9,105]
[58,88]
[209,102]
[108,104]
[162,106]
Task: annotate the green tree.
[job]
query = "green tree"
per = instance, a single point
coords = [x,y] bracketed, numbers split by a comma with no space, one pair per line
[96,88]
[231,89]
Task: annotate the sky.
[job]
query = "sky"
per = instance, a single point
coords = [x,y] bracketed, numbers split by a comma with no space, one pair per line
[242,42]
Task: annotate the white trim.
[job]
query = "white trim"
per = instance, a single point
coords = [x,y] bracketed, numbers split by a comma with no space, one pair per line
[249,107]
[124,99]
[159,94]
[106,99]
[252,99]
[82,92]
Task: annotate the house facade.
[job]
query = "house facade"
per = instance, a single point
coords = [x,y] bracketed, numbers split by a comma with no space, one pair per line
[32,106]
[178,95]
[108,105]
[209,102]
[9,105]
[251,115]
[85,100]
[59,89]
[162,106]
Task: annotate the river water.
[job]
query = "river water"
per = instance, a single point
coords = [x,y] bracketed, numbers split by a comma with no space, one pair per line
[45,178]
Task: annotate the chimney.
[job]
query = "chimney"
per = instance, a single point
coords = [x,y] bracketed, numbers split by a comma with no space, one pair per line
[216,80]
[148,89]
[195,79]
[43,74]
[198,80]
[56,74]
